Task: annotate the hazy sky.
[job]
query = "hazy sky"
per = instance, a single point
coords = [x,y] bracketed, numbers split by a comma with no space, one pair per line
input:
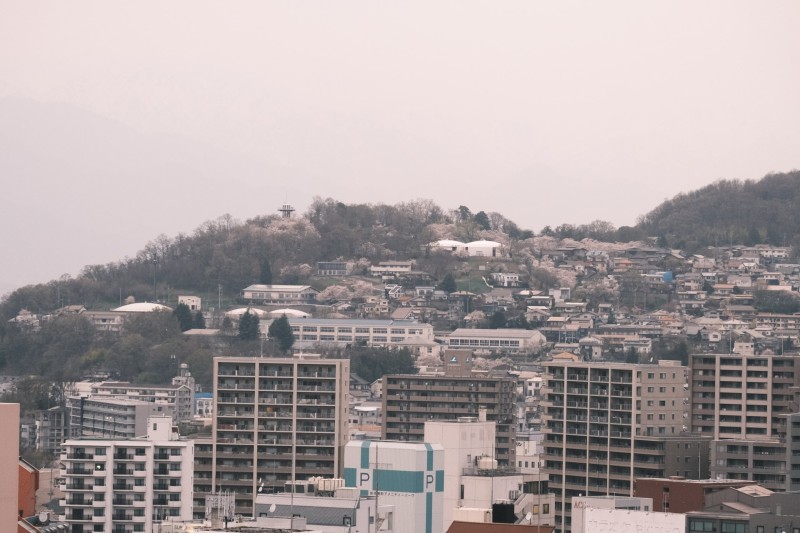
[120,121]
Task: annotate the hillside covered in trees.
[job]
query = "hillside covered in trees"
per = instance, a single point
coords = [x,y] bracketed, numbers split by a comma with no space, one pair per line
[730,212]
[223,256]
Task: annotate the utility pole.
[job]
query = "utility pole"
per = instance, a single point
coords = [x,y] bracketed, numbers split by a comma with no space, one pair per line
[155,295]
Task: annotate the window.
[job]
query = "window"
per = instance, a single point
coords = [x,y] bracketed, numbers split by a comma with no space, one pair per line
[734,527]
[696,524]
[546,508]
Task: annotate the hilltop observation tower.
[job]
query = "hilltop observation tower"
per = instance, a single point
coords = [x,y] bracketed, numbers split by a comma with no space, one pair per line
[286,211]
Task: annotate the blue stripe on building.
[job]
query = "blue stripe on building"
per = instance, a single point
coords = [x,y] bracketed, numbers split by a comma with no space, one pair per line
[430,456]
[349,477]
[365,454]
[440,481]
[399,481]
[429,513]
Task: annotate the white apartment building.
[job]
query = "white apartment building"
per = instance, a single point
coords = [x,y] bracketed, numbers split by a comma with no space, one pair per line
[125,486]
[111,418]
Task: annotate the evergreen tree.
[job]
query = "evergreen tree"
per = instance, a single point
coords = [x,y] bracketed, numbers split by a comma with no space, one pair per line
[482,220]
[226,327]
[184,316]
[448,284]
[498,320]
[199,321]
[248,326]
[281,331]
[265,278]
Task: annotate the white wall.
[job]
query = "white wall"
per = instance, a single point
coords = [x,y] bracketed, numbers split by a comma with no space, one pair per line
[591,520]
[462,443]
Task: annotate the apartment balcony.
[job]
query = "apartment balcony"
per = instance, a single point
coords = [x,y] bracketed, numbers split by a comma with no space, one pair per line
[281,400]
[78,487]
[79,456]
[246,397]
[314,415]
[316,388]
[76,501]
[80,472]
[315,442]
[161,472]
[223,482]
[265,372]
[246,385]
[126,517]
[227,370]
[315,401]
[322,375]
[233,468]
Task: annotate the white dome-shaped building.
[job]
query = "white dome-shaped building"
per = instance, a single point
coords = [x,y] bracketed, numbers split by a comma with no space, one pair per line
[142,307]
[290,313]
[448,245]
[237,313]
[485,249]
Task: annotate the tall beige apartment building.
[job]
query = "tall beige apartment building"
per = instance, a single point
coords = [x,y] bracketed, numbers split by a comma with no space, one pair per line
[275,420]
[609,423]
[746,404]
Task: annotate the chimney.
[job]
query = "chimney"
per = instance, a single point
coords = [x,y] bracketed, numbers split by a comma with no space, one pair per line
[482,414]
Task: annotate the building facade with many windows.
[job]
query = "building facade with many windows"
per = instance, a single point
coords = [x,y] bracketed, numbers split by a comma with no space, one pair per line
[607,424]
[411,400]
[746,403]
[275,420]
[125,486]
[343,332]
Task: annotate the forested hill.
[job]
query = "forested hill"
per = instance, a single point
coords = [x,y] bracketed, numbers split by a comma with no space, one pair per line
[730,212]
[226,254]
